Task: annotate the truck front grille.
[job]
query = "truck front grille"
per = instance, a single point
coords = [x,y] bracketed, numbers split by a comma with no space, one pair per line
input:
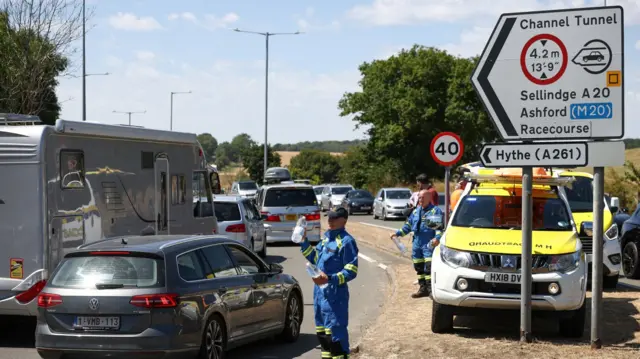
[490,261]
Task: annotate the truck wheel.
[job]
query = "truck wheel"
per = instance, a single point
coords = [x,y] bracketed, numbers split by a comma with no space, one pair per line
[610,282]
[441,318]
[573,327]
[631,260]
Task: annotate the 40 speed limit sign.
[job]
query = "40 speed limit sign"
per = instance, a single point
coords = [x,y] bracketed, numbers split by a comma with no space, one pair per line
[446,148]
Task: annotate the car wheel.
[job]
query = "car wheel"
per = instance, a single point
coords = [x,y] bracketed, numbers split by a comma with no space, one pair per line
[441,318]
[631,260]
[293,320]
[263,251]
[369,213]
[573,327]
[610,282]
[384,214]
[375,216]
[350,210]
[252,246]
[214,340]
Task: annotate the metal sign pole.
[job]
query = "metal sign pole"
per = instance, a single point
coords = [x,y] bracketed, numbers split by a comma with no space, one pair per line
[596,261]
[525,284]
[447,194]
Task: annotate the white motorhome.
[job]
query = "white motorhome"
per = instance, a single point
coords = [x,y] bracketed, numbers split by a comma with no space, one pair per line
[77,182]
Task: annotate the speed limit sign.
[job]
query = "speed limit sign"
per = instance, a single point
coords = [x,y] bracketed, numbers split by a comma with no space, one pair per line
[446,148]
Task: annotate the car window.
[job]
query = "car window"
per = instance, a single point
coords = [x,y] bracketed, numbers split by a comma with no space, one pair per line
[395,194]
[283,197]
[505,212]
[219,262]
[251,210]
[227,211]
[318,190]
[360,194]
[580,195]
[88,271]
[340,190]
[190,267]
[247,186]
[246,264]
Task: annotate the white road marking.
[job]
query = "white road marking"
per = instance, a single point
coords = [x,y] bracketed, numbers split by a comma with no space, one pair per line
[377,226]
[368,259]
[382,266]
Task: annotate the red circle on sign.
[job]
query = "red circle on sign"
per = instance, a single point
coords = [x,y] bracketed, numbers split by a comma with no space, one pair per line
[456,138]
[563,67]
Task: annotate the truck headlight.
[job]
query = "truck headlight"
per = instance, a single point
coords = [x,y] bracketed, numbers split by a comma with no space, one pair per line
[564,262]
[612,232]
[455,258]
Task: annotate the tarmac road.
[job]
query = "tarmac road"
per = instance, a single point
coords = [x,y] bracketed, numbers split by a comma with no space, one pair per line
[397,224]
[368,292]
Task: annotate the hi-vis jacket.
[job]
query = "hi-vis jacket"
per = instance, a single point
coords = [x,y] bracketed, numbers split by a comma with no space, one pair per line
[336,255]
[417,223]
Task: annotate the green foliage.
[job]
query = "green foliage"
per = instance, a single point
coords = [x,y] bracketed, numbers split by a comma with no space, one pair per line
[355,167]
[630,143]
[618,186]
[409,98]
[253,161]
[318,166]
[209,145]
[328,146]
[239,145]
[223,155]
[30,64]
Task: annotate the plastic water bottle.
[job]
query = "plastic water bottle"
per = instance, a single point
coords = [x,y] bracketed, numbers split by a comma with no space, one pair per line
[314,272]
[298,231]
[400,245]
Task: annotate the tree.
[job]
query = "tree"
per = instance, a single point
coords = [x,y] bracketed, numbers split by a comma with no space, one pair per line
[355,167]
[409,98]
[253,160]
[223,154]
[209,145]
[239,145]
[318,166]
[36,37]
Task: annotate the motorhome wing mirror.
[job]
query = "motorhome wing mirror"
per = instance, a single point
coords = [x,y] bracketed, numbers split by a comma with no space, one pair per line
[586,229]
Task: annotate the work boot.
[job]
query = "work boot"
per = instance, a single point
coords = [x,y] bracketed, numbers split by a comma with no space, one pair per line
[423,291]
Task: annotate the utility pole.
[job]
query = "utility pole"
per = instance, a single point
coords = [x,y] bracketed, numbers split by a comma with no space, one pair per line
[171,115]
[266,82]
[130,113]
[84,63]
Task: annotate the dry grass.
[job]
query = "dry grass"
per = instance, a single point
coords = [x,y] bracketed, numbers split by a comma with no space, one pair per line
[403,329]
[286,156]
[632,155]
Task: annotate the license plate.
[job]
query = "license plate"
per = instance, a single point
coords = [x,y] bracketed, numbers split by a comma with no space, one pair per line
[97,322]
[509,278]
[290,217]
[365,207]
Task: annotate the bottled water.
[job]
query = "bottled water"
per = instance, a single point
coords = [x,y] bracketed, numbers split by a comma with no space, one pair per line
[400,245]
[298,231]
[314,272]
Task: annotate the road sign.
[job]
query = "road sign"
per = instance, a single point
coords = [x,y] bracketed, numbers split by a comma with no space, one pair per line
[572,154]
[447,148]
[555,74]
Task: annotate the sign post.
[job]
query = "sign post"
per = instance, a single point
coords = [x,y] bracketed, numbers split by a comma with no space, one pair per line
[447,149]
[566,85]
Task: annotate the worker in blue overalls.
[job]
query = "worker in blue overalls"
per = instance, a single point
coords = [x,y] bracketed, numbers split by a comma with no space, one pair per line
[336,256]
[426,222]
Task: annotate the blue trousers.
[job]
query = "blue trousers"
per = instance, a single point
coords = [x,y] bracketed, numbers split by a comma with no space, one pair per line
[331,308]
[421,255]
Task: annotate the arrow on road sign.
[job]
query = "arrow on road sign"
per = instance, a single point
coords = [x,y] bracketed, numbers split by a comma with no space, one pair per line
[549,154]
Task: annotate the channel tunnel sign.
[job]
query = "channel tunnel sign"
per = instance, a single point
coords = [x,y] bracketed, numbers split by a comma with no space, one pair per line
[555,74]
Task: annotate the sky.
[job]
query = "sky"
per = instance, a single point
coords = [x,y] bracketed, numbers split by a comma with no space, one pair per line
[151,48]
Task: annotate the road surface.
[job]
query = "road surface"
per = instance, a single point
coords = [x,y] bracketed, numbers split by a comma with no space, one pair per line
[390,224]
[368,292]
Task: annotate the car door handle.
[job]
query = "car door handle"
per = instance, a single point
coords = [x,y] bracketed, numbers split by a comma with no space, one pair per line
[222,290]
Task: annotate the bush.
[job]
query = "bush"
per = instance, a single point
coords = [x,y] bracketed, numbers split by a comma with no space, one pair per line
[317,166]
[241,175]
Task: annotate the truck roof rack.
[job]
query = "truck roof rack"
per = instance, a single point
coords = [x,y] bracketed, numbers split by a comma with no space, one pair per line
[14,119]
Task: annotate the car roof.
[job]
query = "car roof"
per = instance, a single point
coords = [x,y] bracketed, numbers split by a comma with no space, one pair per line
[288,185]
[339,185]
[151,244]
[397,188]
[226,198]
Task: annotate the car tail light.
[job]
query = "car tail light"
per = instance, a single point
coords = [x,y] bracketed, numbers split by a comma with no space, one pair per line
[155,301]
[28,295]
[47,300]
[271,217]
[236,228]
[312,217]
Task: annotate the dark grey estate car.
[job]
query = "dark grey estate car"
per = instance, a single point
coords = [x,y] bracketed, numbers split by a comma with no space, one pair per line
[164,297]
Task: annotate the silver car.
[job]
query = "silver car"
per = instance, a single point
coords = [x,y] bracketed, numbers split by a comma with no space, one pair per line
[244,188]
[282,204]
[332,196]
[391,203]
[318,190]
[173,296]
[239,219]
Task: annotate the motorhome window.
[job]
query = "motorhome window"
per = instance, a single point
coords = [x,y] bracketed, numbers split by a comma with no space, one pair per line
[147,160]
[178,189]
[202,204]
[72,169]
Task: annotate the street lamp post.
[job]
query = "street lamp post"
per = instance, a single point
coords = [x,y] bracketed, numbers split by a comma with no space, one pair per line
[130,113]
[84,63]
[171,115]
[266,35]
